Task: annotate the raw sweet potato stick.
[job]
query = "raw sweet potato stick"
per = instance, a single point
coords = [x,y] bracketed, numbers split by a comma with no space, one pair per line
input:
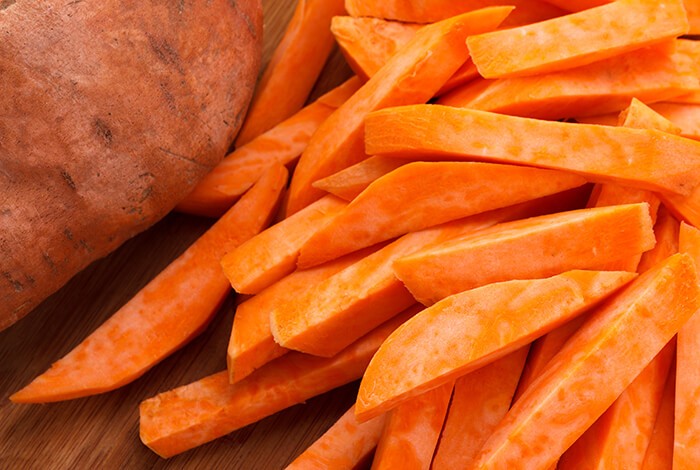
[652,74]
[293,69]
[251,344]
[479,401]
[577,39]
[343,446]
[659,454]
[528,249]
[429,11]
[412,75]
[643,158]
[272,254]
[169,311]
[412,430]
[686,448]
[596,365]
[457,335]
[349,183]
[180,419]
[282,144]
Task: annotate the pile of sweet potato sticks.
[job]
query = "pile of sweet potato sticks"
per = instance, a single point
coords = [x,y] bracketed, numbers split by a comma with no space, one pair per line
[492,225]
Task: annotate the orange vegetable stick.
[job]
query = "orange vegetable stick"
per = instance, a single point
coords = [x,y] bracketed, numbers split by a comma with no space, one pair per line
[594,367]
[651,74]
[325,318]
[644,158]
[272,254]
[659,454]
[683,115]
[282,144]
[349,183]
[368,43]
[577,39]
[640,116]
[294,67]
[180,419]
[685,208]
[457,335]
[412,430]
[419,195]
[479,401]
[686,448]
[251,344]
[528,249]
[169,311]
[343,446]
[429,11]
[628,424]
[412,75]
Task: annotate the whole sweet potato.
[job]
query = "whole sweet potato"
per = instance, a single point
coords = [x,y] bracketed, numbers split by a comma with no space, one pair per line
[110,111]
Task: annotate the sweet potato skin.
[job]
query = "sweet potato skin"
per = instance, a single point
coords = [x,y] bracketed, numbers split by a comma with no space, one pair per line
[114,110]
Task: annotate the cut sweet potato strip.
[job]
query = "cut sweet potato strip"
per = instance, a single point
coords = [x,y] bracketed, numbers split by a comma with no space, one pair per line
[349,183]
[412,430]
[169,311]
[528,249]
[368,43]
[651,74]
[282,144]
[419,195]
[343,446]
[577,39]
[577,5]
[659,454]
[643,158]
[576,388]
[251,344]
[640,116]
[526,11]
[686,447]
[457,335]
[272,254]
[323,319]
[479,401]
[293,68]
[628,423]
[692,8]
[412,75]
[180,419]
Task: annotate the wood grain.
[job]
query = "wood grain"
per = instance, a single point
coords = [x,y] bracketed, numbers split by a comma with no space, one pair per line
[102,431]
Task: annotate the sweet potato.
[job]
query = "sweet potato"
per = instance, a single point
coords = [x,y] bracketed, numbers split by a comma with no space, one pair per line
[112,112]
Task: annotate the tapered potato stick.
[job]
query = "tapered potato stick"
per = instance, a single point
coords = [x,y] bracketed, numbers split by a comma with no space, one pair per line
[456,336]
[642,158]
[429,11]
[169,311]
[272,254]
[412,430]
[347,184]
[479,401]
[180,419]
[325,318]
[659,454]
[412,75]
[651,74]
[294,67]
[686,447]
[251,344]
[577,39]
[419,195]
[576,388]
[343,446]
[282,144]
[528,249]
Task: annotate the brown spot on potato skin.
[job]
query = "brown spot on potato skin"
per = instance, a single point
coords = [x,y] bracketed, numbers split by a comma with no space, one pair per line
[6,3]
[103,131]
[69,180]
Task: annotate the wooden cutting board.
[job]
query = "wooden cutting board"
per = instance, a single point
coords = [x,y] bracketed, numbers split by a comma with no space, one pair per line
[102,431]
